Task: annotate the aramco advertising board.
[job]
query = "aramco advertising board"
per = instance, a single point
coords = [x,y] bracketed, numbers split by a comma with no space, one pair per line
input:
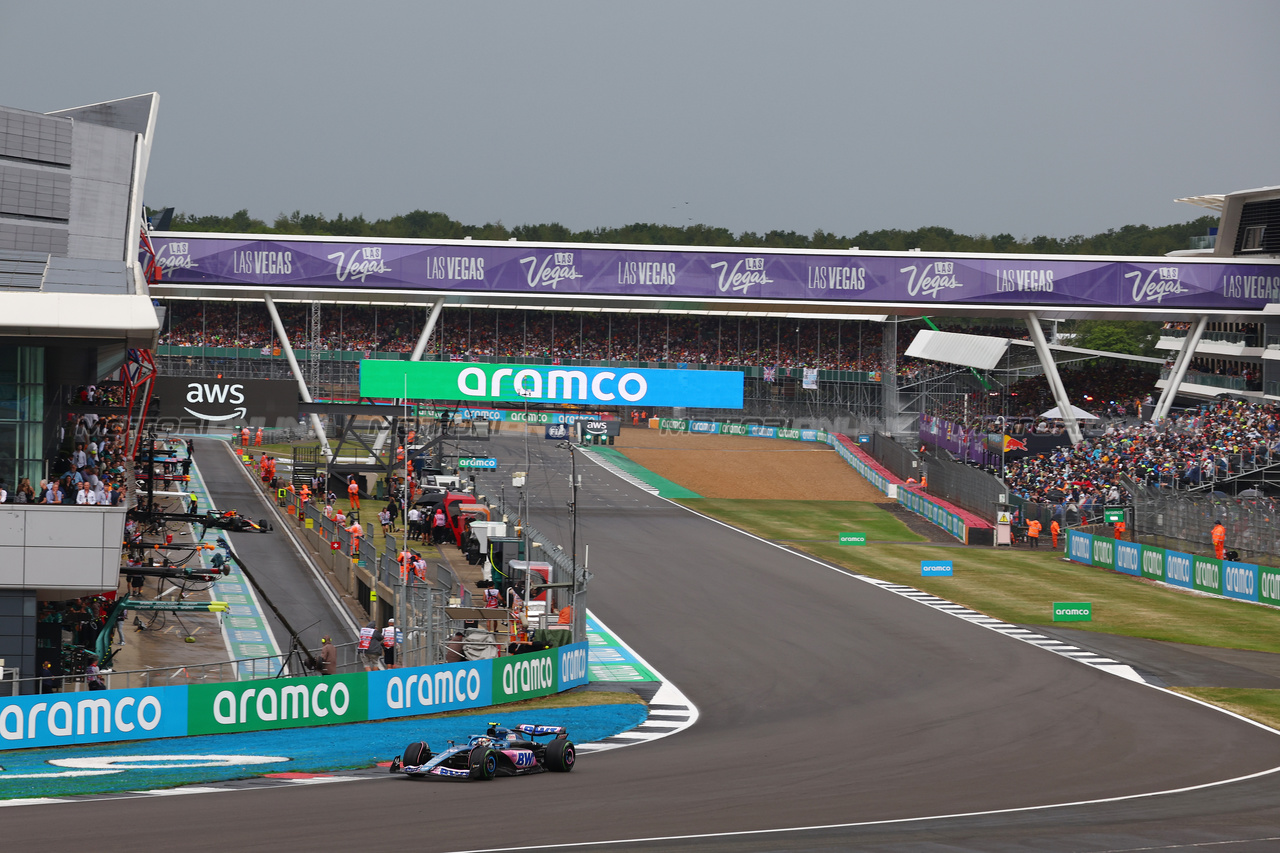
[515,383]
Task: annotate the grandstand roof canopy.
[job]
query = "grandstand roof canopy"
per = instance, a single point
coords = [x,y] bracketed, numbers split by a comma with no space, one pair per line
[1211,202]
[984,352]
[1081,414]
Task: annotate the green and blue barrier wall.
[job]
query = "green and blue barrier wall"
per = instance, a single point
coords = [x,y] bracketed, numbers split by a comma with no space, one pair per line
[750,430]
[64,719]
[1228,578]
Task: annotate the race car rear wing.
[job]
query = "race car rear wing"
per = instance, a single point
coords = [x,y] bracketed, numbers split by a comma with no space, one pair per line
[539,731]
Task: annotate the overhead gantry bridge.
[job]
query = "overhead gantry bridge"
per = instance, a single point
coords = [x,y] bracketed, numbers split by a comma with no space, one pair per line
[784,283]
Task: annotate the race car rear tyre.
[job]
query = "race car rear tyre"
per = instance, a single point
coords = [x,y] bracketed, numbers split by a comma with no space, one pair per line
[560,756]
[416,754]
[483,763]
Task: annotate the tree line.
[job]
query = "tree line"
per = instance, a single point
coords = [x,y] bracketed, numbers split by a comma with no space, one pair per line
[424,224]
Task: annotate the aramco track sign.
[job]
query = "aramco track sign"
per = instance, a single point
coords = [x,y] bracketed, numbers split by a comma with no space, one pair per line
[595,386]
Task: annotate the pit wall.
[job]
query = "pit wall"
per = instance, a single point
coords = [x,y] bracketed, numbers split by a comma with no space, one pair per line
[958,524]
[65,719]
[1242,581]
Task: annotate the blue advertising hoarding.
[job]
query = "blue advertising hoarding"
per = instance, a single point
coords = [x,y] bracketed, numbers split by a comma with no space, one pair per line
[1079,546]
[1240,580]
[428,689]
[573,670]
[1177,569]
[1128,558]
[62,719]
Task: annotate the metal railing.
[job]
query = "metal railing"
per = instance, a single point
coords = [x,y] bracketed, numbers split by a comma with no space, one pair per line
[1213,380]
[424,623]
[1219,337]
[240,669]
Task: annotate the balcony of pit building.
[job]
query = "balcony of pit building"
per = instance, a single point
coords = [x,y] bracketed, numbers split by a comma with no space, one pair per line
[51,553]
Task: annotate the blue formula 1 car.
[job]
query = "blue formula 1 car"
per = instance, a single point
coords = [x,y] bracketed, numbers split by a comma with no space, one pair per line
[497,752]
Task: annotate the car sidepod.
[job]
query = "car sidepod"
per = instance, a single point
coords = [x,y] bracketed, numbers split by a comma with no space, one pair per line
[517,761]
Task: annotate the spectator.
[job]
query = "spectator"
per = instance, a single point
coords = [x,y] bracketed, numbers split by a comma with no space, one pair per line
[91,674]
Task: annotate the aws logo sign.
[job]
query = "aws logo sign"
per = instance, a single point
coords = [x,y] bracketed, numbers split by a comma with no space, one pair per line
[222,401]
[211,401]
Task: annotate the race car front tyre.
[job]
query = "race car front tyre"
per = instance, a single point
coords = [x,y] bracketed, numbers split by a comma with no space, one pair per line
[483,763]
[560,756]
[416,754]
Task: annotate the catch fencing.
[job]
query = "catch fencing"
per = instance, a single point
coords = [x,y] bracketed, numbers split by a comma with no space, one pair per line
[964,485]
[901,461]
[1184,521]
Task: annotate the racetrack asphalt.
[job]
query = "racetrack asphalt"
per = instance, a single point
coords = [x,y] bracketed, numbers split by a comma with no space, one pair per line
[824,702]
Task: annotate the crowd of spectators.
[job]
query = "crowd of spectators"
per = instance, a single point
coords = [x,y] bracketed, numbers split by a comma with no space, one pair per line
[90,468]
[1197,446]
[1250,372]
[1110,390]
[464,333]
[1249,334]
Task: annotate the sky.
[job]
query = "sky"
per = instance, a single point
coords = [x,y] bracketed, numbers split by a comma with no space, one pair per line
[984,117]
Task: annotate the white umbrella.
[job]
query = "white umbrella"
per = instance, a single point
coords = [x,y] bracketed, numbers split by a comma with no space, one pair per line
[1081,415]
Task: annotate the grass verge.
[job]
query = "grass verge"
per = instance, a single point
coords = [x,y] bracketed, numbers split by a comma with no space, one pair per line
[1015,586]
[1260,705]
